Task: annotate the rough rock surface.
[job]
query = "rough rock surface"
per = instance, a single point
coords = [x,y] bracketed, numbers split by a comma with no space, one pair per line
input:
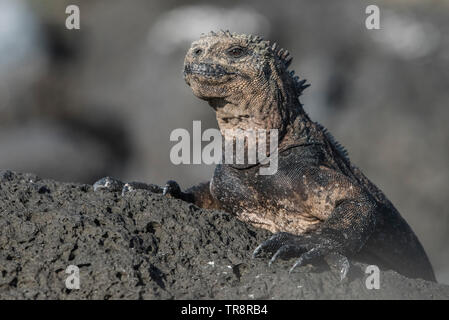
[147,246]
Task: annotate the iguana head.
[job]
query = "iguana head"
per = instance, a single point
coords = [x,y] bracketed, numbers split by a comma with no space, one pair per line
[245,79]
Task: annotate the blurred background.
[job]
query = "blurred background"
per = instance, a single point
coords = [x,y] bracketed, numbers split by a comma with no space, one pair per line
[77,105]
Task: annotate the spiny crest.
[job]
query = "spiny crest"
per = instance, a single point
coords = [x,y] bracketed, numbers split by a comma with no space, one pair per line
[234,35]
[286,59]
[282,54]
[340,149]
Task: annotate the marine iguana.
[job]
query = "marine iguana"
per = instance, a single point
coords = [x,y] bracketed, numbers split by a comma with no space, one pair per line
[318,205]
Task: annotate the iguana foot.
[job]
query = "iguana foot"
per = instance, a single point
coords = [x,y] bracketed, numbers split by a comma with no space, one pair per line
[307,248]
[115,185]
[173,189]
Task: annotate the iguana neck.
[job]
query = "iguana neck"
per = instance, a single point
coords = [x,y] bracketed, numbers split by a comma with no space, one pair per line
[265,109]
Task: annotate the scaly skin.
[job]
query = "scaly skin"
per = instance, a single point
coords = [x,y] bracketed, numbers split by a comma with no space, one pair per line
[318,205]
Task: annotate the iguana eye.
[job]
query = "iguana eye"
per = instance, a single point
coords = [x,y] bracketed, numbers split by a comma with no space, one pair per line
[197,52]
[236,52]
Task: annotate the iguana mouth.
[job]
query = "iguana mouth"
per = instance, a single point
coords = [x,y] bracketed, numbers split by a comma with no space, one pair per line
[206,70]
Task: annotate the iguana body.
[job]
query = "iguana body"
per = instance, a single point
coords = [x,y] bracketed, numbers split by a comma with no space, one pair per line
[317,204]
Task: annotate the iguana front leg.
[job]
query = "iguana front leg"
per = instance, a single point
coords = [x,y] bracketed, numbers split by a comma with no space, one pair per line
[199,195]
[115,185]
[342,234]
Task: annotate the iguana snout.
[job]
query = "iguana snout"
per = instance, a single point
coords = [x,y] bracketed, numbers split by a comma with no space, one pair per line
[206,70]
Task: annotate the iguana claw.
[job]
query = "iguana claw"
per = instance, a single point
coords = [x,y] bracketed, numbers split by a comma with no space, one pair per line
[306,248]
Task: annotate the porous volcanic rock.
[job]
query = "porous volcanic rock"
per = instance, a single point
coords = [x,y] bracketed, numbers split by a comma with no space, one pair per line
[147,246]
